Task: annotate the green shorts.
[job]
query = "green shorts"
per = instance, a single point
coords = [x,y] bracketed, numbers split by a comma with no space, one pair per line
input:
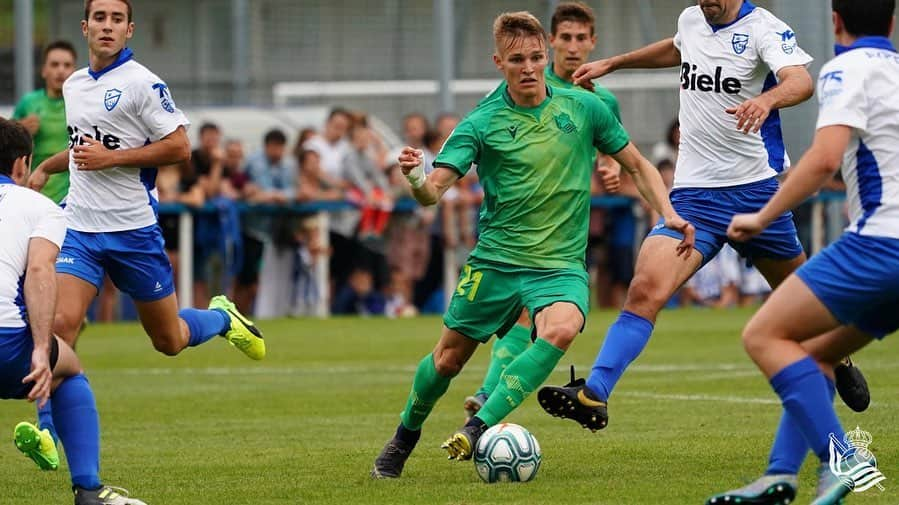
[490,296]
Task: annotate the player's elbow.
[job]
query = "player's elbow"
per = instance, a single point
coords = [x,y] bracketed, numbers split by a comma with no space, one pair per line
[182,153]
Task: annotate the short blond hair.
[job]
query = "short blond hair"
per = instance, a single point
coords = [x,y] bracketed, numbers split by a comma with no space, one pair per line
[510,26]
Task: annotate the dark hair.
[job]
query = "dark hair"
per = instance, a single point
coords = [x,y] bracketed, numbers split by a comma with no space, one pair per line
[275,136]
[205,127]
[87,8]
[60,44]
[340,111]
[15,142]
[866,17]
[576,12]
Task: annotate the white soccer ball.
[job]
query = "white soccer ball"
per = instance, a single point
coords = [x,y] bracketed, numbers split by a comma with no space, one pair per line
[507,453]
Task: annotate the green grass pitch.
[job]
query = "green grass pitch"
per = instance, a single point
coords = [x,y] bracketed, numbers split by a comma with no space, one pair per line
[691,418]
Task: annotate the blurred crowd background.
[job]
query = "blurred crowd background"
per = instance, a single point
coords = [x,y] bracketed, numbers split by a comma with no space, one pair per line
[299,109]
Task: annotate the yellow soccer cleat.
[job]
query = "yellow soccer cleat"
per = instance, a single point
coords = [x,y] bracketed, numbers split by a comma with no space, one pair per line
[461,445]
[37,445]
[243,334]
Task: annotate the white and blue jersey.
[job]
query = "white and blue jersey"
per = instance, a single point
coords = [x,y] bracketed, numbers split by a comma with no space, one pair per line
[24,215]
[722,66]
[111,213]
[721,171]
[857,277]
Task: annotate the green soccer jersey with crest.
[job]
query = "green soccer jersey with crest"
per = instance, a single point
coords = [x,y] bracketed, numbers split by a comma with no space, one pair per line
[535,166]
[52,136]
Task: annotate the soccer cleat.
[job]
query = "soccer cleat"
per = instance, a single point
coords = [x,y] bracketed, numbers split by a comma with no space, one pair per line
[572,402]
[831,489]
[461,445]
[106,495]
[473,404]
[852,386]
[766,490]
[243,334]
[389,464]
[38,445]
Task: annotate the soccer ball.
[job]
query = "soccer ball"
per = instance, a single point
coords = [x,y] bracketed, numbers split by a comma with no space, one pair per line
[507,453]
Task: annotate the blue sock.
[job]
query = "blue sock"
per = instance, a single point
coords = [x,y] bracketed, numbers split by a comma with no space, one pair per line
[790,448]
[624,341]
[806,397]
[205,324]
[45,420]
[76,419]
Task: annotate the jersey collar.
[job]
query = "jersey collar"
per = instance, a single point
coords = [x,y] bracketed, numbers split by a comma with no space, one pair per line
[867,42]
[745,9]
[534,110]
[125,55]
[5,179]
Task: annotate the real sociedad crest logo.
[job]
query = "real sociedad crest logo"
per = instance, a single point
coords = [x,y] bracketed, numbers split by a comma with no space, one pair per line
[111,99]
[740,41]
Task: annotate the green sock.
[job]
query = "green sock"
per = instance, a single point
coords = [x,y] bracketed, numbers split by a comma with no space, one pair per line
[520,379]
[505,350]
[427,387]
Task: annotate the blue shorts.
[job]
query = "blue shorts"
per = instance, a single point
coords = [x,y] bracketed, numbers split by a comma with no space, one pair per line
[16,346]
[710,211]
[134,259]
[857,279]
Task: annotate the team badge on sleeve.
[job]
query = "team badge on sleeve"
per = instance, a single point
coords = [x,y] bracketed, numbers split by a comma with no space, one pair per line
[111,99]
[740,41]
[165,98]
[788,41]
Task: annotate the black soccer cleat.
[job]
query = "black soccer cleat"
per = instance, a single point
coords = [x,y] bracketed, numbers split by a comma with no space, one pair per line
[852,386]
[571,402]
[389,464]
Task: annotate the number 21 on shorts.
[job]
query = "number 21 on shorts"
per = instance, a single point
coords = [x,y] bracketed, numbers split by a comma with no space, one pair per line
[471,280]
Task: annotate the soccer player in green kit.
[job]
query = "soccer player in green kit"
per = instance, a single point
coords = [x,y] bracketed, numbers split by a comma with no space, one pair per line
[534,146]
[572,39]
[43,113]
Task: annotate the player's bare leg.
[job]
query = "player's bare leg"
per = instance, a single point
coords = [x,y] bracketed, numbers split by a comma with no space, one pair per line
[556,326]
[74,296]
[850,382]
[658,274]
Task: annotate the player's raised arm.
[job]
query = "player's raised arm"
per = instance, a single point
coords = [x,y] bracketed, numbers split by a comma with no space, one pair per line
[816,167]
[652,187]
[661,54]
[426,189]
[795,86]
[169,150]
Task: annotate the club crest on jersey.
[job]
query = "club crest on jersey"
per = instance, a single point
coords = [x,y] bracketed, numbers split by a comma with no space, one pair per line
[165,98]
[788,41]
[111,99]
[740,41]
[564,122]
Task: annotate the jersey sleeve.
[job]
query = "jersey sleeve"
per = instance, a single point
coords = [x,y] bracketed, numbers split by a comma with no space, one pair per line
[611,102]
[608,134]
[841,97]
[21,109]
[462,148]
[158,111]
[49,221]
[778,47]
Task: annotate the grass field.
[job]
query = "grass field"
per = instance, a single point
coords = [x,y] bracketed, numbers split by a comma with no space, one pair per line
[692,417]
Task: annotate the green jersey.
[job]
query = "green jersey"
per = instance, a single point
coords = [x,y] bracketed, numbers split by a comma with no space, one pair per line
[535,166]
[52,136]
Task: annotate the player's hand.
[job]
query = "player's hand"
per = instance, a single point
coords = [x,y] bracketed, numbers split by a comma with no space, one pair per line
[751,114]
[745,226]
[410,158]
[611,177]
[585,74]
[31,123]
[38,179]
[683,226]
[92,155]
[41,376]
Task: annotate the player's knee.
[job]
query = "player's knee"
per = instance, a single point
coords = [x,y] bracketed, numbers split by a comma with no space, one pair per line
[167,346]
[754,340]
[66,326]
[560,335]
[448,363]
[645,295]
